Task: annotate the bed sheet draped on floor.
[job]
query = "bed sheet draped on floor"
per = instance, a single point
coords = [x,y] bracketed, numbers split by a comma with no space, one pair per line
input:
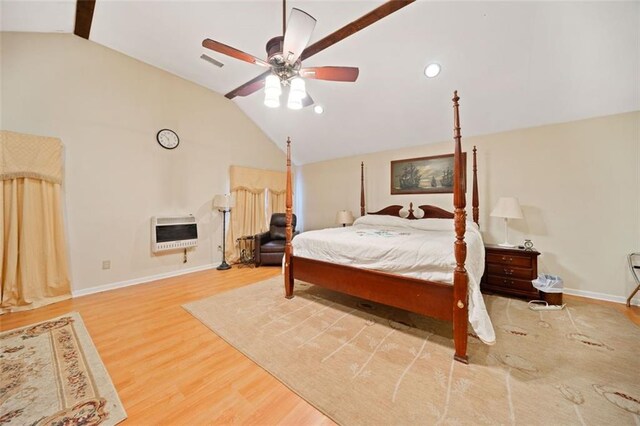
[33,251]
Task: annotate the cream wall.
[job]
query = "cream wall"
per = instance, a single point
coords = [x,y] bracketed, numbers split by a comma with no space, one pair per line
[578,184]
[107,109]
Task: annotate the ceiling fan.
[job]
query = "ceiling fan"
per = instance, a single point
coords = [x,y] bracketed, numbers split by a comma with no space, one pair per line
[285,54]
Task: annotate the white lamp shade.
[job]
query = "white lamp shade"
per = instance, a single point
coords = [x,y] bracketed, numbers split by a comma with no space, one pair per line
[344,217]
[272,85]
[298,90]
[507,207]
[294,103]
[224,202]
[272,100]
[272,91]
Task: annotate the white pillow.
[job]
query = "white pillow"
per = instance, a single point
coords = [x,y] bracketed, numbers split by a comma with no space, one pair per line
[438,224]
[383,220]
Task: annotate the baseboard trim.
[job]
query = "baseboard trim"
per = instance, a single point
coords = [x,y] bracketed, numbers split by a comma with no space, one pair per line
[141,280]
[601,296]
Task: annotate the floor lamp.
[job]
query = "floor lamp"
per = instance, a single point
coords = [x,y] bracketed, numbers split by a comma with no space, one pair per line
[224,204]
[507,208]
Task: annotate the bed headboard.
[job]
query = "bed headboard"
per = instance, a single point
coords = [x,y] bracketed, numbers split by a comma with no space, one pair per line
[429,212]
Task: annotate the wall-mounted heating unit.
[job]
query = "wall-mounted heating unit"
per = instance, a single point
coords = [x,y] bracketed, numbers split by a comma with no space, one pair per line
[173,232]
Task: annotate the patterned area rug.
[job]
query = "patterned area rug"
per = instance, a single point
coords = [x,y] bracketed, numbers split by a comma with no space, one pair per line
[363,363]
[51,374]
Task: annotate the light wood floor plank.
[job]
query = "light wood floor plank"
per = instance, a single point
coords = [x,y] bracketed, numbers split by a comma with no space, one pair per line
[167,366]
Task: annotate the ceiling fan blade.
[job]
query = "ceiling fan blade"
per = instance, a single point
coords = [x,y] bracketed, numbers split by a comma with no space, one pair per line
[331,73]
[299,28]
[249,87]
[364,21]
[233,52]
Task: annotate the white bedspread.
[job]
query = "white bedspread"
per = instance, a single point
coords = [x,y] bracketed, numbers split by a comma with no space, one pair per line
[414,248]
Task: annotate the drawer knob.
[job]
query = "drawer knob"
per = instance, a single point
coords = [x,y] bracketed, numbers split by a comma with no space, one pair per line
[508,271]
[507,281]
[507,259]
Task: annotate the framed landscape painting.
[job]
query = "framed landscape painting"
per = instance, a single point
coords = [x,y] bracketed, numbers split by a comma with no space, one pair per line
[426,175]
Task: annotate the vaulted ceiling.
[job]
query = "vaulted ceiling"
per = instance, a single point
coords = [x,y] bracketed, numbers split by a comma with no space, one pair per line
[515,64]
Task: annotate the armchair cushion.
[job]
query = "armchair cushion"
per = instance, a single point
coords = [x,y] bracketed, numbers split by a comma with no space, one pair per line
[273,246]
[278,225]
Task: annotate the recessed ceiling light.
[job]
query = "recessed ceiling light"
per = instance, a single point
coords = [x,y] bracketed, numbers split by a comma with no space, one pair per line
[432,70]
[318,109]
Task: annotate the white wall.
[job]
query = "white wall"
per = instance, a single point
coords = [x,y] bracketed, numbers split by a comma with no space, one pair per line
[578,184]
[107,109]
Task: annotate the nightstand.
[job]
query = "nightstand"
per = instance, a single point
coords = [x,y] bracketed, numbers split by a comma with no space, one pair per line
[510,270]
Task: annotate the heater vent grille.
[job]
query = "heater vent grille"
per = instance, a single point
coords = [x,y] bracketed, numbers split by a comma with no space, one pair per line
[173,232]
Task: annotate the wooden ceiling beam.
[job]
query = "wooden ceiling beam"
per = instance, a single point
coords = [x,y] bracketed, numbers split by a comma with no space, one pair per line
[361,23]
[84,17]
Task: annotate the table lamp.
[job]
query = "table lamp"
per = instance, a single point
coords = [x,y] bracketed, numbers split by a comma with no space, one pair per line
[344,217]
[507,208]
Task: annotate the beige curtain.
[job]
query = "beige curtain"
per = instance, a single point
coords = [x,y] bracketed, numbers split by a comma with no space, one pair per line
[276,202]
[249,216]
[33,271]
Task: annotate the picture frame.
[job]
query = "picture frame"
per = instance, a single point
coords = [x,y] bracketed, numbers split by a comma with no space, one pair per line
[426,175]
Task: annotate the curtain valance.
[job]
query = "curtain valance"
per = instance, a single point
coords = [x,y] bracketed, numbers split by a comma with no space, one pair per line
[255,180]
[30,156]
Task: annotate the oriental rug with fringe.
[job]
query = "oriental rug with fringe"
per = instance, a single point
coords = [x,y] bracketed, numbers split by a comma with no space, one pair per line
[51,374]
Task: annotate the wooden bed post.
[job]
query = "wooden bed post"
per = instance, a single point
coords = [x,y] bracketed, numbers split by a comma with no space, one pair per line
[362,188]
[460,277]
[288,273]
[475,202]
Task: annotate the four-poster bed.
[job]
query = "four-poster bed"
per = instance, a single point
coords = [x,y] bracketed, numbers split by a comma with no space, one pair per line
[430,298]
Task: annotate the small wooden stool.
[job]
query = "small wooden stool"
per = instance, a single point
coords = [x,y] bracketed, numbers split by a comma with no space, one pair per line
[635,270]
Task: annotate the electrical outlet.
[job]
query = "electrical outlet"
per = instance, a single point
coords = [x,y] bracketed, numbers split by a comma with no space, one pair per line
[106,264]
[219,248]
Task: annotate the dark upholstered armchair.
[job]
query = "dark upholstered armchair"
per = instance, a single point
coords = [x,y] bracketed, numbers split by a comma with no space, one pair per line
[269,246]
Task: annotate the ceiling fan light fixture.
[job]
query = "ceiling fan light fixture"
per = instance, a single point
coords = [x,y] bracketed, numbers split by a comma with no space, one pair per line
[272,86]
[272,101]
[298,90]
[432,70]
[294,103]
[272,91]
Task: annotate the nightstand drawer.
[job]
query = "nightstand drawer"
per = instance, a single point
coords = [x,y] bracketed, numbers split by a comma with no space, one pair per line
[509,259]
[510,283]
[509,271]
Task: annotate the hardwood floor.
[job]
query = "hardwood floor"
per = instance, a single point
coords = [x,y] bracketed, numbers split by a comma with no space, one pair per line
[170,369]
[633,312]
[167,366]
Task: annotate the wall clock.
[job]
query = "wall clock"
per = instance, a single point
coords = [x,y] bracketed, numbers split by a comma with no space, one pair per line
[168,139]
